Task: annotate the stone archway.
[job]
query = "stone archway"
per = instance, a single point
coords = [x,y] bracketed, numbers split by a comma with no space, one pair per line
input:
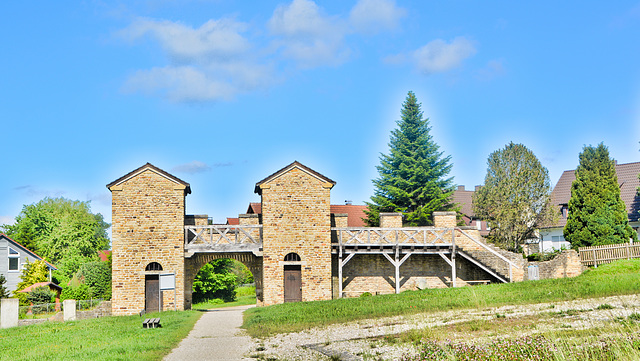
[193,264]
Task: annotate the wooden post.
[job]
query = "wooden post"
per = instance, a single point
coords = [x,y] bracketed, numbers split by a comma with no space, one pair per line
[340,264]
[594,259]
[628,252]
[397,269]
[453,258]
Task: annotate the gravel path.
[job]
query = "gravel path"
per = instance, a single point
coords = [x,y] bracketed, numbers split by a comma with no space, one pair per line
[216,336]
[356,340]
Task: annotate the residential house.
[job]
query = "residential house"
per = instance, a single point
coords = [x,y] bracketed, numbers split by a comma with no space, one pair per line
[464,199]
[551,237]
[13,258]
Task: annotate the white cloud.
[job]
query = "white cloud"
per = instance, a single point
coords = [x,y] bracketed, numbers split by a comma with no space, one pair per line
[217,39]
[192,167]
[212,62]
[180,83]
[439,56]
[373,16]
[307,36]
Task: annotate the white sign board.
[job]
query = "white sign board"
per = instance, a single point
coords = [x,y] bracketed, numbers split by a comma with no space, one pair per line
[167,281]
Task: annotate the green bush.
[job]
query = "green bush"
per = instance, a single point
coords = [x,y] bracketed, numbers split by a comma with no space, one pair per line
[40,296]
[215,280]
[97,276]
[80,292]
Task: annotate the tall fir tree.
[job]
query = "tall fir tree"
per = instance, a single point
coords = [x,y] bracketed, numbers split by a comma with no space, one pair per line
[597,214]
[413,177]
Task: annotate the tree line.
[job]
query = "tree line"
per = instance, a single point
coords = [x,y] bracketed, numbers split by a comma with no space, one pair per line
[413,179]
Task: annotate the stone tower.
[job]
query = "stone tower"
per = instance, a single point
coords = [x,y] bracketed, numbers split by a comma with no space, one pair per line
[148,215]
[296,235]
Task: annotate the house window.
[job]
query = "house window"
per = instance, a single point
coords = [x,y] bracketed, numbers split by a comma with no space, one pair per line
[557,241]
[14,260]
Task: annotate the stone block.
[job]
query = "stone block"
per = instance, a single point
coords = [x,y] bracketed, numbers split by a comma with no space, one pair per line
[9,312]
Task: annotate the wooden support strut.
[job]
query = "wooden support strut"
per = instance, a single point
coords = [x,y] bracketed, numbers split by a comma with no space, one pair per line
[397,263]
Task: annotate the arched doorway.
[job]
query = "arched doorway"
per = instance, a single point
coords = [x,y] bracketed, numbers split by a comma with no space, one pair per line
[152,294]
[292,278]
[195,263]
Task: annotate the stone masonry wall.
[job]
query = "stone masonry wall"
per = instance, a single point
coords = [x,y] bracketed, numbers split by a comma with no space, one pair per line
[147,226]
[296,218]
[566,264]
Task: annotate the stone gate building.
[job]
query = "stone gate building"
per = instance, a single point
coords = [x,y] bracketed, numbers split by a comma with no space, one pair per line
[296,249]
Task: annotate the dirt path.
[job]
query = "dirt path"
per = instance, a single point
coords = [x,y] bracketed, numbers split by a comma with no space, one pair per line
[216,336]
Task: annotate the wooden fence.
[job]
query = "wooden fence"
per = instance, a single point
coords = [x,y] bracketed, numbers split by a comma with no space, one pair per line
[595,255]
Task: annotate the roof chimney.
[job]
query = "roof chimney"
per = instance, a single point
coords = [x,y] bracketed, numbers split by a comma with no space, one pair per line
[478,188]
[460,188]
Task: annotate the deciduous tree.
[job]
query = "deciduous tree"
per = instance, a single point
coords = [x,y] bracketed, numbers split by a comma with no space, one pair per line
[515,197]
[414,176]
[62,231]
[597,214]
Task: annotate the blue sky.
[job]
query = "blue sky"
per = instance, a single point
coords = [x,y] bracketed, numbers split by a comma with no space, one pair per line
[222,94]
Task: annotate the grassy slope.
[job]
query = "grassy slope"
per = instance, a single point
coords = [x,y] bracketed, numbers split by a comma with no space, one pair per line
[108,338]
[622,277]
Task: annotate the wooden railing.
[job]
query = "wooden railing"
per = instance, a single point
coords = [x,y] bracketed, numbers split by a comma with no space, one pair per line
[409,236]
[221,235]
[404,235]
[595,255]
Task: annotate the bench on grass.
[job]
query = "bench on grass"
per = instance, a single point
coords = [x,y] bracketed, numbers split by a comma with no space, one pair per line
[151,323]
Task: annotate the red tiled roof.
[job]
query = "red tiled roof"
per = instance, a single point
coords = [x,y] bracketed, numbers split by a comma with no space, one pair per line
[465,199]
[254,208]
[355,214]
[627,180]
[233,221]
[40,284]
[104,255]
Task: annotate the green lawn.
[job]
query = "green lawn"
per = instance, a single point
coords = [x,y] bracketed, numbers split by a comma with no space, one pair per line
[108,338]
[622,277]
[244,296]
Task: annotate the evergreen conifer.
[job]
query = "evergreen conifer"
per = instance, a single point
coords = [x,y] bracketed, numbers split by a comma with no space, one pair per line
[597,214]
[413,177]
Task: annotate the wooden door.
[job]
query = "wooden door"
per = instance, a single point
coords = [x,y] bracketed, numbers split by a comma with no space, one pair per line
[152,302]
[292,284]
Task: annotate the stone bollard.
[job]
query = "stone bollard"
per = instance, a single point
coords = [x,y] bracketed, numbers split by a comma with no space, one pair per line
[9,312]
[69,307]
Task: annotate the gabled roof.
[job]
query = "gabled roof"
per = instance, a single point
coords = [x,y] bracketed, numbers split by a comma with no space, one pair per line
[291,166]
[627,180]
[25,249]
[465,199]
[233,221]
[154,169]
[355,213]
[254,208]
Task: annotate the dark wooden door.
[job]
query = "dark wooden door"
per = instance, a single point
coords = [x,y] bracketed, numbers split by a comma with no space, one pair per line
[152,302]
[292,284]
